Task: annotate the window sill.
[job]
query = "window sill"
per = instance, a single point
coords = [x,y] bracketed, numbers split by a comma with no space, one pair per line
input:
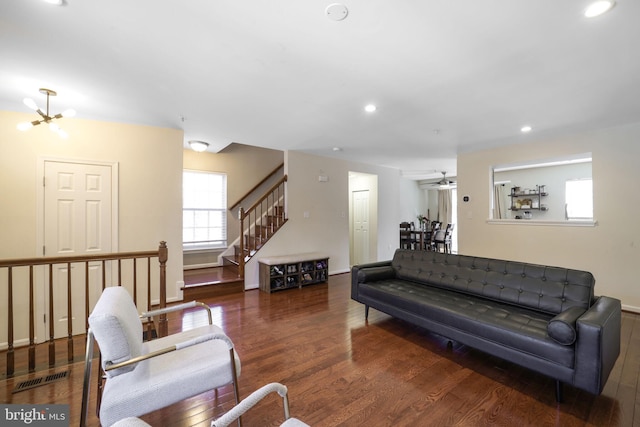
[574,223]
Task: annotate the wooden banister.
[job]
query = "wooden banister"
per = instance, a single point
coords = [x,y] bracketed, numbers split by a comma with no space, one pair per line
[260,221]
[17,290]
[269,175]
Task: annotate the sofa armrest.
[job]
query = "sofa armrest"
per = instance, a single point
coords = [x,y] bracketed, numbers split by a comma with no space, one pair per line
[359,272]
[597,344]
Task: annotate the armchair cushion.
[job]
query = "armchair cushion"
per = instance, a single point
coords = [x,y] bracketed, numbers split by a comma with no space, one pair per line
[116,325]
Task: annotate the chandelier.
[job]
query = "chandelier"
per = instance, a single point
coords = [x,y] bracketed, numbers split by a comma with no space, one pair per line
[46,117]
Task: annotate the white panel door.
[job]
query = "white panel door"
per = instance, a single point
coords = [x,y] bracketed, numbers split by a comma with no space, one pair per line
[360,203]
[77,221]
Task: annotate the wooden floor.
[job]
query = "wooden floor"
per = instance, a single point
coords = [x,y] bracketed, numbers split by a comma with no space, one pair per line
[343,371]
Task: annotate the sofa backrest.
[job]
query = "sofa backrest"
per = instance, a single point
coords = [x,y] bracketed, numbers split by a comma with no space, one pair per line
[548,289]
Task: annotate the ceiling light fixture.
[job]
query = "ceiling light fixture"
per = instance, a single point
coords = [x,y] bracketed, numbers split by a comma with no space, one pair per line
[525,129]
[46,117]
[597,8]
[198,146]
[54,2]
[370,108]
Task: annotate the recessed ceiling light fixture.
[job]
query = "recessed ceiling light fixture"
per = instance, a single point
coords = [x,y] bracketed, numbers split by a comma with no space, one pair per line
[526,129]
[370,108]
[46,117]
[198,146]
[599,7]
[54,2]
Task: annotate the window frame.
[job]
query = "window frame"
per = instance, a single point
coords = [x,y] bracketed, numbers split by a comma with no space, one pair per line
[189,207]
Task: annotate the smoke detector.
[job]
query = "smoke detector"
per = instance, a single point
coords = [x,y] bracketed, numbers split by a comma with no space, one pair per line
[336,12]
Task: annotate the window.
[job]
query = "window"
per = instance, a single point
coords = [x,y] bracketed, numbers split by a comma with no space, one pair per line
[579,199]
[204,210]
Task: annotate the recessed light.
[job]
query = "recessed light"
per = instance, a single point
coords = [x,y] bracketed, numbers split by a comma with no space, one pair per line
[54,2]
[337,149]
[525,129]
[597,8]
[370,108]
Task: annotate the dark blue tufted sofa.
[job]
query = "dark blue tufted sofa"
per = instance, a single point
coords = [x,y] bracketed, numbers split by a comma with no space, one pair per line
[544,318]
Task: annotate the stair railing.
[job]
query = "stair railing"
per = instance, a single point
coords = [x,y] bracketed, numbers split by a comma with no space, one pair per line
[16,270]
[260,221]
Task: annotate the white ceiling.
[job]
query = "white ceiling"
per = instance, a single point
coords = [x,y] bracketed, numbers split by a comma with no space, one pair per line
[447,76]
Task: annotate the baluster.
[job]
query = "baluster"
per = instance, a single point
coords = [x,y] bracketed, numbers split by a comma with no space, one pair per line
[86,296]
[104,274]
[32,333]
[69,316]
[135,283]
[163,255]
[52,343]
[10,353]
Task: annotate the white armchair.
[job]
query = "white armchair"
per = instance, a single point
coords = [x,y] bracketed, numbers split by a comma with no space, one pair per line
[145,376]
[250,401]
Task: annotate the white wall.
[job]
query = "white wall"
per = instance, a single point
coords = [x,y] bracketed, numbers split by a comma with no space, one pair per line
[326,229]
[413,201]
[610,250]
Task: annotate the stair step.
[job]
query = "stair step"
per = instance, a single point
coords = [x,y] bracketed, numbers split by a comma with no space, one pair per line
[211,282]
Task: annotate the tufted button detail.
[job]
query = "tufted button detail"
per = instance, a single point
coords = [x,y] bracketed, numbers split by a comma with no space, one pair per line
[501,286]
[541,295]
[566,282]
[563,299]
[469,280]
[455,277]
[523,275]
[520,290]
[504,272]
[544,278]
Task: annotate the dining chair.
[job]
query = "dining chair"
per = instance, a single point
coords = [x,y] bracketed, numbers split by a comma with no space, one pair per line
[407,238]
[435,228]
[444,239]
[142,377]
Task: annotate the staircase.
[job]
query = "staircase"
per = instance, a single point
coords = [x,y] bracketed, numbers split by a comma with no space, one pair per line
[257,224]
[260,222]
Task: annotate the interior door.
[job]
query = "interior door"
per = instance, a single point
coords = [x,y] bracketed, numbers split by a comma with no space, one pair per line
[361,224]
[77,221]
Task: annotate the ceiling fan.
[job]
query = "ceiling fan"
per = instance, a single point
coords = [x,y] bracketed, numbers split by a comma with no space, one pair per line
[444,182]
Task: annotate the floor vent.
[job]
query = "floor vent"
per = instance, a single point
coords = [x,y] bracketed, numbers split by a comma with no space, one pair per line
[40,381]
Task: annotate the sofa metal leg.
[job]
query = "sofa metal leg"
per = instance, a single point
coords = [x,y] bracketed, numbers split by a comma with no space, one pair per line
[559,393]
[366,312]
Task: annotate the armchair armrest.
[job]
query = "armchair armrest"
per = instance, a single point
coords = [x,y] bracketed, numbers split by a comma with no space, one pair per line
[178,307]
[251,400]
[597,344]
[179,346]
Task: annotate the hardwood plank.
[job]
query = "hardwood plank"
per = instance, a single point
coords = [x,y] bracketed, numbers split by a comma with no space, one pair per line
[342,370]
